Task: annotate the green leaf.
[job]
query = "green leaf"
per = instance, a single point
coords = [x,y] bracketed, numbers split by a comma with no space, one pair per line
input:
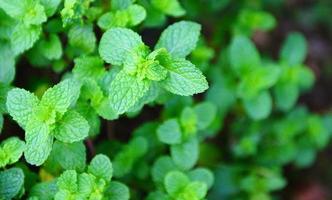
[23,37]
[260,106]
[175,182]
[89,67]
[157,195]
[250,21]
[180,38]
[114,19]
[82,38]
[206,113]
[286,96]
[188,121]
[86,184]
[116,43]
[44,190]
[3,97]
[51,47]
[38,142]
[169,7]
[20,105]
[72,127]
[73,11]
[202,175]
[195,190]
[13,149]
[68,181]
[156,72]
[169,132]
[50,6]
[257,80]
[243,55]
[13,8]
[69,156]
[101,167]
[126,90]
[121,4]
[11,183]
[129,155]
[184,78]
[117,191]
[294,49]
[136,14]
[61,96]
[185,155]
[161,167]
[7,63]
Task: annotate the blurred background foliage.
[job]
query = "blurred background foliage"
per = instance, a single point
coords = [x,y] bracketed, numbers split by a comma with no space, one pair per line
[269,66]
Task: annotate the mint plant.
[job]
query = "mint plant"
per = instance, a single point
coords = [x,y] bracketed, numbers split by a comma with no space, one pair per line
[166,66]
[47,118]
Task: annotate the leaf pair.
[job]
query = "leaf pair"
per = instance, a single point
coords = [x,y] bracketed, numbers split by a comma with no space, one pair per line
[181,133]
[295,76]
[47,118]
[126,16]
[141,69]
[255,79]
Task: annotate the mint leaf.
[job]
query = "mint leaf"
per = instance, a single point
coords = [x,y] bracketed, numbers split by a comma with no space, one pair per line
[51,47]
[136,14]
[68,181]
[180,38]
[117,191]
[50,6]
[125,160]
[12,149]
[294,49]
[121,4]
[69,156]
[184,78]
[202,175]
[161,167]
[185,155]
[258,80]
[72,127]
[243,55]
[206,113]
[20,105]
[61,96]
[286,96]
[23,37]
[101,167]
[126,90]
[169,7]
[82,38]
[260,106]
[175,182]
[196,189]
[169,132]
[7,63]
[116,43]
[43,190]
[38,142]
[11,183]
[89,67]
